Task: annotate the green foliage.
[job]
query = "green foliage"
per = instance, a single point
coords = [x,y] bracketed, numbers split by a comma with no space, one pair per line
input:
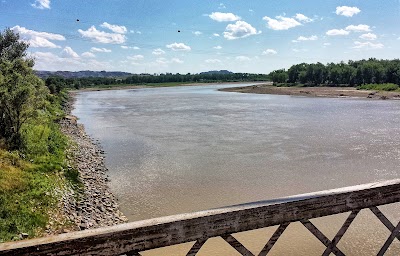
[371,71]
[379,87]
[36,165]
[22,93]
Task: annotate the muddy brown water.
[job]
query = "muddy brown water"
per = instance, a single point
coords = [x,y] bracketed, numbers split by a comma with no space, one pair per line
[184,149]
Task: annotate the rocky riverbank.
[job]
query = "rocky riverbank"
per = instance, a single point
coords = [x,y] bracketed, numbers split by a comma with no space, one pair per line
[94,206]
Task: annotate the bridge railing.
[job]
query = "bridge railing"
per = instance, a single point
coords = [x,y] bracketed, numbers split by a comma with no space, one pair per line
[132,238]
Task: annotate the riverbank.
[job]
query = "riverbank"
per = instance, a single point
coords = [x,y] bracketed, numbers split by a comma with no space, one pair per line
[331,92]
[153,85]
[94,205]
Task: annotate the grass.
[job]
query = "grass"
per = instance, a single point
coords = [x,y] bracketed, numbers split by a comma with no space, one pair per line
[30,178]
[25,197]
[379,87]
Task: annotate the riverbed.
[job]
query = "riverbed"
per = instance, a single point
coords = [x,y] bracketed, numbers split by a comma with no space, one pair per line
[184,149]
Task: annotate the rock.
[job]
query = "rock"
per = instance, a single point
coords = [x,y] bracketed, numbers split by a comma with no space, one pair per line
[23,235]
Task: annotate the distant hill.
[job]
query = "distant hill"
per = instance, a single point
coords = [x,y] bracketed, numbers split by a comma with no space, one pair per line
[220,72]
[80,74]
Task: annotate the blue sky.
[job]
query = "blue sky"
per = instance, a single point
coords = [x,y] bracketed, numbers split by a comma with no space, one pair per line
[255,36]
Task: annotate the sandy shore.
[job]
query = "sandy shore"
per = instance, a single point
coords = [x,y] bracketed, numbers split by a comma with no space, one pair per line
[331,92]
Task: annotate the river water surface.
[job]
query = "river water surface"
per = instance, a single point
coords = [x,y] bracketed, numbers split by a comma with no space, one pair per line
[184,149]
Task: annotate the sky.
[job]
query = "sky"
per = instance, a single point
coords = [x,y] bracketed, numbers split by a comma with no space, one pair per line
[192,36]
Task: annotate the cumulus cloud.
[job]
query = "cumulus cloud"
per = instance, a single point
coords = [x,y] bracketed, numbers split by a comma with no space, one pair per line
[212,61]
[178,47]
[221,6]
[242,58]
[240,29]
[358,28]
[88,55]
[41,4]
[223,16]
[281,23]
[303,38]
[218,47]
[337,32]
[368,36]
[130,47]
[136,57]
[158,52]
[367,45]
[269,52]
[95,49]
[165,62]
[102,37]
[38,39]
[53,62]
[114,28]
[67,52]
[303,18]
[216,35]
[347,11]
[197,33]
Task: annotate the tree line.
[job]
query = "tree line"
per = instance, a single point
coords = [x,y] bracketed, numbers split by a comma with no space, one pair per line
[352,73]
[57,83]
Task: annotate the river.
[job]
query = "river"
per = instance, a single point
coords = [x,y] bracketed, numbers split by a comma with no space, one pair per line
[190,148]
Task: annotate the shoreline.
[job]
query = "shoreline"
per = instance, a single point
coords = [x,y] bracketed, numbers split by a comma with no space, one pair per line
[326,92]
[94,205]
[128,87]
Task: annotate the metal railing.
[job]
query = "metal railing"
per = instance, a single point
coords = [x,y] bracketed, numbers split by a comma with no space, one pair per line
[134,237]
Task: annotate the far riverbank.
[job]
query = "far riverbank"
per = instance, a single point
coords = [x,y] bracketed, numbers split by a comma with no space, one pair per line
[330,92]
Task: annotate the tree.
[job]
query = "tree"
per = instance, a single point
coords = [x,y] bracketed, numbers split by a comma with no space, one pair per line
[22,93]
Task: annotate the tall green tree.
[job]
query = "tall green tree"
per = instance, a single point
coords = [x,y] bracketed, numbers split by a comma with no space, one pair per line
[22,94]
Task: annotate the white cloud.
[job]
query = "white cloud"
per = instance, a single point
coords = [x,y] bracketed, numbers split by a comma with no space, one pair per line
[358,28]
[67,52]
[136,57]
[38,39]
[218,47]
[102,37]
[269,52]
[165,62]
[176,60]
[299,50]
[40,42]
[216,35]
[367,45]
[242,58]
[41,4]
[95,49]
[368,36]
[178,47]
[158,52]
[303,38]
[130,47]
[303,18]
[327,44]
[212,61]
[197,33]
[88,55]
[114,28]
[52,62]
[337,32]
[347,11]
[240,29]
[281,23]
[223,17]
